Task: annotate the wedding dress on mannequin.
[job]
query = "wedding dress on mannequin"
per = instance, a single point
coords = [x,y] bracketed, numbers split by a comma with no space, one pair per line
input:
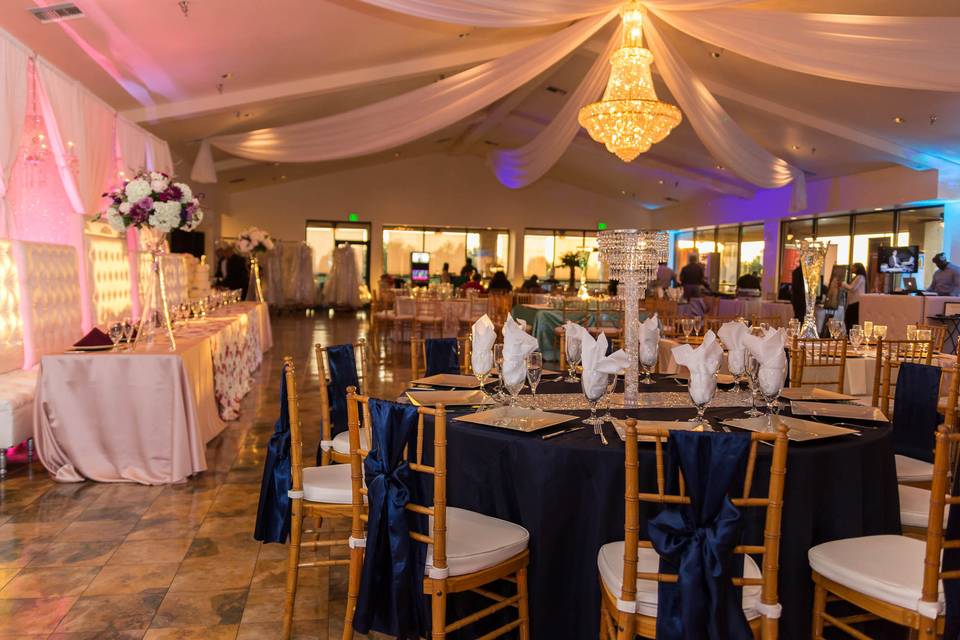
[342,288]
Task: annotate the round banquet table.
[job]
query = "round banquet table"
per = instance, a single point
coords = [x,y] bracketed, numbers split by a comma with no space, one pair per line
[568,493]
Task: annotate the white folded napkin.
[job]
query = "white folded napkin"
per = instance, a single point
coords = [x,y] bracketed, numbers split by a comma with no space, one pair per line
[649,340]
[572,333]
[517,345]
[768,351]
[732,333]
[703,363]
[597,365]
[484,335]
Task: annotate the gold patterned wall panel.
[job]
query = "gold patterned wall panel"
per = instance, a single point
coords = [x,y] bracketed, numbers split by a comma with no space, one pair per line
[109,279]
[11,328]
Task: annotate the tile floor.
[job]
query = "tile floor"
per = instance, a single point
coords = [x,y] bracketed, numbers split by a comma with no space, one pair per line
[92,561]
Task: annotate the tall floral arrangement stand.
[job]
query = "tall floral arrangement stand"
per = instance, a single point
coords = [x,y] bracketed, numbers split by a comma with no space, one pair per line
[156,205]
[813,254]
[251,242]
[632,257]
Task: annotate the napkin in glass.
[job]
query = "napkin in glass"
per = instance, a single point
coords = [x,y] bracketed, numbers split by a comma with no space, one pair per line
[703,364]
[732,334]
[95,338]
[517,345]
[597,365]
[484,335]
[649,340]
[768,351]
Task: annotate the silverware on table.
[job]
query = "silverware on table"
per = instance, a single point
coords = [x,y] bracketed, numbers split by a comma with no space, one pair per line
[560,433]
[598,431]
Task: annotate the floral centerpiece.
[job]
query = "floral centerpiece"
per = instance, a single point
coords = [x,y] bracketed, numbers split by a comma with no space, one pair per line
[253,240]
[250,242]
[156,205]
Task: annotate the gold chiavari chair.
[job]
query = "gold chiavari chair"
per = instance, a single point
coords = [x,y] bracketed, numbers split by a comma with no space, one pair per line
[938,334]
[381,317]
[894,578]
[714,323]
[574,310]
[477,307]
[670,325]
[775,322]
[428,317]
[809,355]
[637,587]
[608,318]
[418,355]
[459,558]
[500,304]
[335,448]
[891,354]
[315,492]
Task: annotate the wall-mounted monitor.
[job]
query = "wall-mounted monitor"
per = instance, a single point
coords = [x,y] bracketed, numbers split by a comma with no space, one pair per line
[899,259]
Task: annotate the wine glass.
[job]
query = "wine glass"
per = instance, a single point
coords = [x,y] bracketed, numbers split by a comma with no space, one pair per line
[912,332]
[856,337]
[116,333]
[128,332]
[701,387]
[696,321]
[686,324]
[648,360]
[534,372]
[481,369]
[498,363]
[867,331]
[513,380]
[573,349]
[611,389]
[880,331]
[594,386]
[752,367]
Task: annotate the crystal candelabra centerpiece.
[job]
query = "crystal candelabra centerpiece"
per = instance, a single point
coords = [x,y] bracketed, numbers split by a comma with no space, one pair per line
[812,256]
[632,257]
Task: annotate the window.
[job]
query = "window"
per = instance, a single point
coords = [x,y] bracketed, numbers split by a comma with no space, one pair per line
[487,248]
[751,249]
[545,248]
[924,228]
[323,237]
[727,252]
[728,245]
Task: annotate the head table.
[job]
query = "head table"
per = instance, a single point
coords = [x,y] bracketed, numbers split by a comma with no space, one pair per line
[145,415]
[567,491]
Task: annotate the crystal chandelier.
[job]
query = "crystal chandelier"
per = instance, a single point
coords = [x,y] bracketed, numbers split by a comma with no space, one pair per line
[629,119]
[36,150]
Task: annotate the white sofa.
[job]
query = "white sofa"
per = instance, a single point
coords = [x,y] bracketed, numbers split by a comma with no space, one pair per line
[109,269]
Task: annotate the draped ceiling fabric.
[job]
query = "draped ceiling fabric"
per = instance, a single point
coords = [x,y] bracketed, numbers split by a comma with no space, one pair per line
[404,118]
[14,61]
[132,144]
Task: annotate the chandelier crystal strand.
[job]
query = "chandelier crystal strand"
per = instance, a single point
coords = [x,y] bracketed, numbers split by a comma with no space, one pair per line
[632,257]
[35,152]
[630,119]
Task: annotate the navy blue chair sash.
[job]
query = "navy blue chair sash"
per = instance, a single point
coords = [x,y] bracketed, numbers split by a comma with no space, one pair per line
[273,512]
[391,584]
[342,368]
[442,356]
[696,541]
[915,417]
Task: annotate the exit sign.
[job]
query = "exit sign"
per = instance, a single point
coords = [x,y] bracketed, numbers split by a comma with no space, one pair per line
[601,226]
[352,217]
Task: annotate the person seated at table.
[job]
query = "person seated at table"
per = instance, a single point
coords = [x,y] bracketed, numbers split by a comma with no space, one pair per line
[855,288]
[693,278]
[749,281]
[499,283]
[946,280]
[473,282]
[531,285]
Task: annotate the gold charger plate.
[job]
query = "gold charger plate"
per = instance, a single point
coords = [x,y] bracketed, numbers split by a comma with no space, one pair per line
[452,380]
[620,426]
[448,398]
[799,430]
[516,419]
[832,410]
[823,395]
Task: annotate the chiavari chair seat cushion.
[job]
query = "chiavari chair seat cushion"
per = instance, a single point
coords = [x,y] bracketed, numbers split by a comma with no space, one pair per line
[913,470]
[610,565]
[341,441]
[607,331]
[329,483]
[915,507]
[476,542]
[887,568]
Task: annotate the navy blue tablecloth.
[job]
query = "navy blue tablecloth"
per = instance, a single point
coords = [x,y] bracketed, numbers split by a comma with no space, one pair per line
[568,493]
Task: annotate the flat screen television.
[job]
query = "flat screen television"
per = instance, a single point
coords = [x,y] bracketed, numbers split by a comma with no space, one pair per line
[899,259]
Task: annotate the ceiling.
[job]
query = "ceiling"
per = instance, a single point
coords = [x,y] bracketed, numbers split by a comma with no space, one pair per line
[230,66]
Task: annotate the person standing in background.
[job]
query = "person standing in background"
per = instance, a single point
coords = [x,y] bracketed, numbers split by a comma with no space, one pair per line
[798,296]
[855,288]
[693,278]
[468,269]
[445,274]
[946,279]
[666,278]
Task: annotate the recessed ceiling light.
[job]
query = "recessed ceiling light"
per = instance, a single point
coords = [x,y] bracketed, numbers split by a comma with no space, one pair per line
[622,192]
[793,217]
[796,147]
[933,118]
[878,208]
[716,54]
[283,177]
[227,75]
[396,155]
[660,181]
[719,166]
[899,119]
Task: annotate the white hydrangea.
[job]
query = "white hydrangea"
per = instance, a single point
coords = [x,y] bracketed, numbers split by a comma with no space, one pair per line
[165,216]
[159,185]
[137,189]
[125,207]
[268,243]
[195,222]
[243,245]
[115,220]
[185,190]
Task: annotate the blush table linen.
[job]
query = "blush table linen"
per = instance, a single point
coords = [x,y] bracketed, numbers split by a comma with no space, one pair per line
[146,416]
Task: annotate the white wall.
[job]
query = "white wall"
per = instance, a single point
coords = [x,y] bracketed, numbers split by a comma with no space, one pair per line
[434,190]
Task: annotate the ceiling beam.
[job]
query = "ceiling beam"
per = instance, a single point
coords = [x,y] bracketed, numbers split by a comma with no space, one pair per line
[328,83]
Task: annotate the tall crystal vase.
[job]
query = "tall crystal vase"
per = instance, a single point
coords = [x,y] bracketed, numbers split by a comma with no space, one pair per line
[256,288]
[156,309]
[812,256]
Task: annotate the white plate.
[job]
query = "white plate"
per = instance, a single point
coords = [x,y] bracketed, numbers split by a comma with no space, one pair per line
[621,427]
[799,430]
[831,410]
[516,418]
[448,398]
[452,380]
[822,395]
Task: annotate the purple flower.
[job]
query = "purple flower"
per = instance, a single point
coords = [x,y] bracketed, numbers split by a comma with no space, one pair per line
[145,203]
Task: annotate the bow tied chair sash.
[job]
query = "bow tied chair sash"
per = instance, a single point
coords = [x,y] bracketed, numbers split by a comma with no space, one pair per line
[342,367]
[915,416]
[391,583]
[442,356]
[696,541]
[273,511]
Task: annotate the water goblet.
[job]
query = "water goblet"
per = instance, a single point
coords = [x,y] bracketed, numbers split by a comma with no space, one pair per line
[611,389]
[648,360]
[880,331]
[498,363]
[701,387]
[686,324]
[793,328]
[128,332]
[771,384]
[573,358]
[481,374]
[752,367]
[594,386]
[534,372]
[116,333]
[867,331]
[696,321]
[856,337]
[513,381]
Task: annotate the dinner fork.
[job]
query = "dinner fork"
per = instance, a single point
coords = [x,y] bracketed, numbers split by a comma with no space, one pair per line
[598,431]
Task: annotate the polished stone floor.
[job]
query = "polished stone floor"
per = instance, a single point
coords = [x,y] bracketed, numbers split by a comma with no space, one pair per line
[104,561]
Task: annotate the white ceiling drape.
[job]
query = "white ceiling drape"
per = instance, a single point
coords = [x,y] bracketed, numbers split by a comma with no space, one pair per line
[14,61]
[892,51]
[723,137]
[404,118]
[516,168]
[132,146]
[158,156]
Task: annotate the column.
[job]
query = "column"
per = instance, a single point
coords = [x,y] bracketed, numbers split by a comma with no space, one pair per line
[771,256]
